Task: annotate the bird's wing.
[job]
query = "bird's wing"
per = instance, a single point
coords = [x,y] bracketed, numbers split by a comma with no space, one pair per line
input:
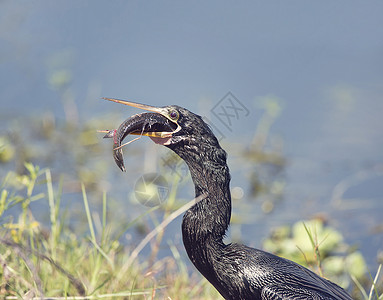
[278,276]
[279,292]
[310,281]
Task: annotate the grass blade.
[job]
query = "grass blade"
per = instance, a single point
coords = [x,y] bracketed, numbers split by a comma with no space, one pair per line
[88,215]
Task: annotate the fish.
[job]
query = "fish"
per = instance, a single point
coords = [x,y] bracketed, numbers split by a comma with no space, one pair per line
[144,124]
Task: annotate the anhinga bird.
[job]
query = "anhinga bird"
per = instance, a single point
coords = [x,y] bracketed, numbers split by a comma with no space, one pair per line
[236,271]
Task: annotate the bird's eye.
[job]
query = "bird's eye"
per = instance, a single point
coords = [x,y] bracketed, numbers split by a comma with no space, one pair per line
[174,115]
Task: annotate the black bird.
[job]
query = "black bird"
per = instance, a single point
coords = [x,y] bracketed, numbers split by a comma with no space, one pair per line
[236,271]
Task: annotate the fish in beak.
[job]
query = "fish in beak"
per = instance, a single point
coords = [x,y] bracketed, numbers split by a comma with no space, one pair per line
[160,124]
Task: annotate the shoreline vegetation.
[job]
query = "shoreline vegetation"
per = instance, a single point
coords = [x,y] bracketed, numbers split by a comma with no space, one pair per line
[55,254]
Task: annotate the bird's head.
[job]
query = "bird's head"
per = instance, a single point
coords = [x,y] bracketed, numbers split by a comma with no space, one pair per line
[171,126]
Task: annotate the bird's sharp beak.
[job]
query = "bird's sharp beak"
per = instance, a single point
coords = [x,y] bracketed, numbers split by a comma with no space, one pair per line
[159,124]
[137,105]
[159,110]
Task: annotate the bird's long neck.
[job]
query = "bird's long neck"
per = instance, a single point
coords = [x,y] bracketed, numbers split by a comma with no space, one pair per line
[204,225]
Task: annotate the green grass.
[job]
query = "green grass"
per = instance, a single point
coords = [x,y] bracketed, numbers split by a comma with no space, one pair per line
[59,263]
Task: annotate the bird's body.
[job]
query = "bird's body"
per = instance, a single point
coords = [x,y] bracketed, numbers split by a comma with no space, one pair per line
[236,271]
[241,272]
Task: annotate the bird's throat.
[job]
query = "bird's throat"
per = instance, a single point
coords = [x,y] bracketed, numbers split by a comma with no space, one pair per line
[205,224]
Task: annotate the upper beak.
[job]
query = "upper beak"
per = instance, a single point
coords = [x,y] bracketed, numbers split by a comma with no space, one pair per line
[137,105]
[159,110]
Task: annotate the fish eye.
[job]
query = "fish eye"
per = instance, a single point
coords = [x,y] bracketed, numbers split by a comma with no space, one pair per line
[174,115]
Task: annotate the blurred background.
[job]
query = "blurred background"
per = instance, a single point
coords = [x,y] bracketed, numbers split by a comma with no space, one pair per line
[307,78]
